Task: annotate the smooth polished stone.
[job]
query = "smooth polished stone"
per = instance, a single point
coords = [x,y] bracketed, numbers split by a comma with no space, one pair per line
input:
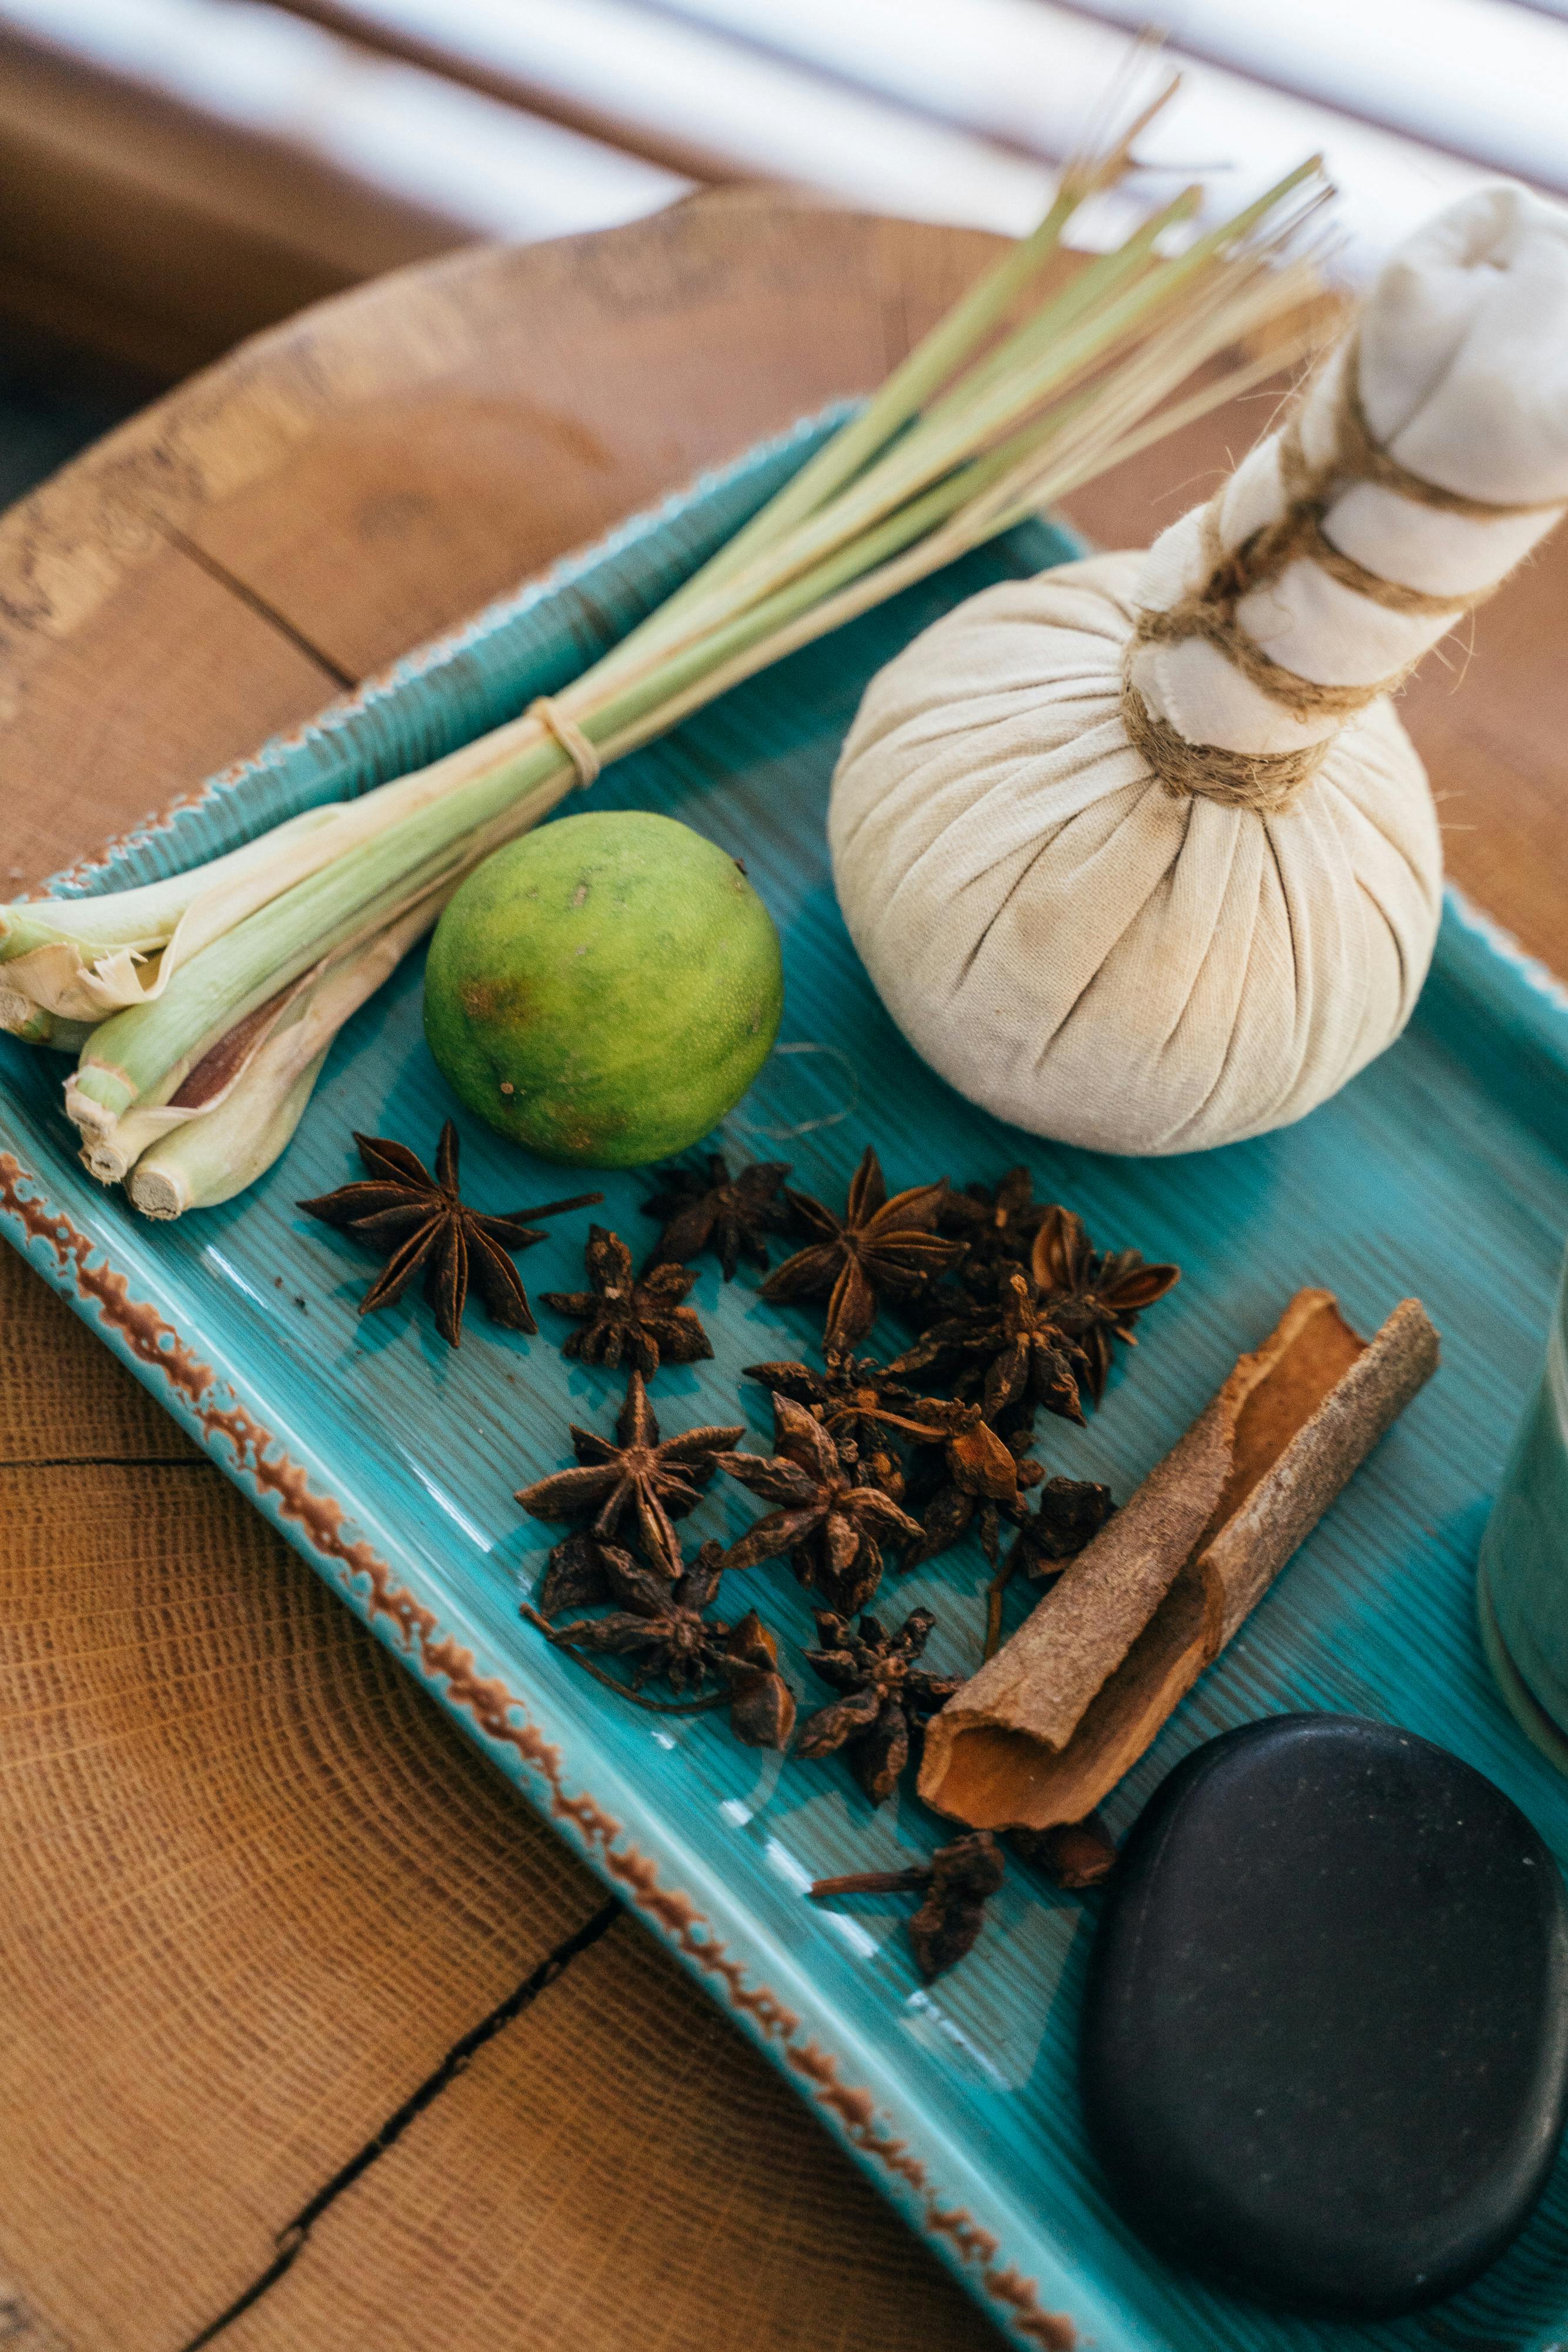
[1325,2036]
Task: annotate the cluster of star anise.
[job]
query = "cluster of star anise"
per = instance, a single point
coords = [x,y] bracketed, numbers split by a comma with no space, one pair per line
[1014,1312]
[1025,1320]
[637,1488]
[1007,1310]
[631,1491]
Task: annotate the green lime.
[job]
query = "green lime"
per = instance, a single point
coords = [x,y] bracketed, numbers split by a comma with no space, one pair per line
[605,988]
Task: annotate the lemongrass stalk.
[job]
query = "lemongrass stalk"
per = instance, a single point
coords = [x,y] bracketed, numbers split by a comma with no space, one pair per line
[111,1157]
[140,1055]
[293,853]
[82,958]
[722,586]
[34,1024]
[940,352]
[188,1088]
[955,516]
[1067,470]
[22,1019]
[899,398]
[337,985]
[962,427]
[1164,278]
[209,1159]
[962,424]
[143,917]
[215,1157]
[1096,281]
[136,1050]
[937,356]
[1114,409]
[958,536]
[946,347]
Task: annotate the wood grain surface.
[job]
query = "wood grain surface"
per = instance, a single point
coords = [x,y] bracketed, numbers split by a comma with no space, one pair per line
[260,1892]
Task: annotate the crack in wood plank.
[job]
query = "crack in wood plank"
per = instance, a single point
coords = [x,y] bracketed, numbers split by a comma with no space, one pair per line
[293,2237]
[258,605]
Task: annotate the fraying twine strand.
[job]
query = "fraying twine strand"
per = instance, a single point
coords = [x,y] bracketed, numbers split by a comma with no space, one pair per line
[569,735]
[1267,782]
[788,1134]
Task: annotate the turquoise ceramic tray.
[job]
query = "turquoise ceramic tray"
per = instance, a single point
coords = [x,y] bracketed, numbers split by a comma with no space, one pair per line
[390,1463]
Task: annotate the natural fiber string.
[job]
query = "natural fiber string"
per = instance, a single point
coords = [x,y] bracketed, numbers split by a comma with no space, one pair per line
[1267,782]
[569,735]
[1265,785]
[797,1128]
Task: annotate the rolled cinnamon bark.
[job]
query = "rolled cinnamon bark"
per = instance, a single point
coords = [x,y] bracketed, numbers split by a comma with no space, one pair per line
[1050,1723]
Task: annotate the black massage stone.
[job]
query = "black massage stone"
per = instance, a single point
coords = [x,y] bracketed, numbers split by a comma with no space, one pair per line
[1325,2037]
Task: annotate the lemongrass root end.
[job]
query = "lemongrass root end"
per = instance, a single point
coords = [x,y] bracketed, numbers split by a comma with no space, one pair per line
[158,1193]
[108,1161]
[93,1118]
[19,1015]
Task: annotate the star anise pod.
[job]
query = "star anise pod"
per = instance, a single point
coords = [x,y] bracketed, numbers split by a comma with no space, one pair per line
[857,1403]
[710,1209]
[1095,1297]
[829,1526]
[878,1245]
[576,1577]
[662,1628]
[659,1482]
[638,1317]
[1015,1355]
[762,1704]
[660,1622]
[958,1882]
[1075,1855]
[998,1222]
[888,1696]
[977,1479]
[1070,1513]
[418,1223]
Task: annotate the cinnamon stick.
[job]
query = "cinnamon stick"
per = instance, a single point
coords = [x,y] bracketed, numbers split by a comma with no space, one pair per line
[1050,1723]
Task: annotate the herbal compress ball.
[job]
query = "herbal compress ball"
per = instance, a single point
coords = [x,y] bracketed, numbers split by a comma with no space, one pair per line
[1138,854]
[604,988]
[1080,951]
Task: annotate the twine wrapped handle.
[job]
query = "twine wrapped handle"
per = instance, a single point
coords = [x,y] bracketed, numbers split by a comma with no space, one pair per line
[1267,782]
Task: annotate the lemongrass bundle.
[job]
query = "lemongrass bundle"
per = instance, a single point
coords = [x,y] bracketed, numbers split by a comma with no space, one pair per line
[1006,405]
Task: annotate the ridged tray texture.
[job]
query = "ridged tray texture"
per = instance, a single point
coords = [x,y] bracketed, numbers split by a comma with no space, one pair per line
[391,1462]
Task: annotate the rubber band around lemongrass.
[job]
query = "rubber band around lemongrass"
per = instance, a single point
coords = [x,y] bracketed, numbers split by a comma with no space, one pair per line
[789,1133]
[569,735]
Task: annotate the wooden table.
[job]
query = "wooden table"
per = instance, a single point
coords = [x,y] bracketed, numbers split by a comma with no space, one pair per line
[263,1902]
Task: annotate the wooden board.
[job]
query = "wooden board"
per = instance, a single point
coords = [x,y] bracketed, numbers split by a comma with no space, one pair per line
[336,491]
